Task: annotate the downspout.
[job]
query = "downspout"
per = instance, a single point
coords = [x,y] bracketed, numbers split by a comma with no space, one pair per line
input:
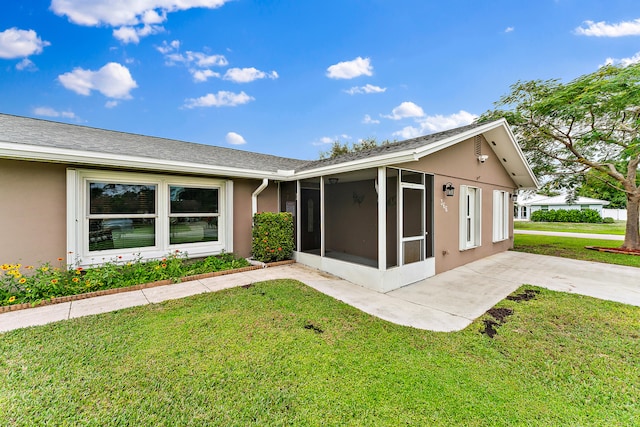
[255,194]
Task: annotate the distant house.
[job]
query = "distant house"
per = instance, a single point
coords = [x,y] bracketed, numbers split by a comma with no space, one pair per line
[539,202]
[382,218]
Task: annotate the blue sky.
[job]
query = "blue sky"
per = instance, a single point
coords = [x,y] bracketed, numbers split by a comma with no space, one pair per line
[288,77]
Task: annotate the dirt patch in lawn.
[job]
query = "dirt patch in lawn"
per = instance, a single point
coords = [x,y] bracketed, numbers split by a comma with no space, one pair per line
[314,328]
[498,315]
[527,295]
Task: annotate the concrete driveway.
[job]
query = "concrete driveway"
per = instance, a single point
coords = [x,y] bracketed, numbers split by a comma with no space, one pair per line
[447,302]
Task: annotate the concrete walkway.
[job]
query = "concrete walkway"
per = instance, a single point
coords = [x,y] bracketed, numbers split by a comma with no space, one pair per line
[447,302]
[568,234]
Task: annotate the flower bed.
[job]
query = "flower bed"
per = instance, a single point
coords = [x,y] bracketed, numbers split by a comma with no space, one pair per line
[30,286]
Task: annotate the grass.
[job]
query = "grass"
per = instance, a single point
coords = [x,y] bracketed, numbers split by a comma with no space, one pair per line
[617,227]
[280,353]
[570,247]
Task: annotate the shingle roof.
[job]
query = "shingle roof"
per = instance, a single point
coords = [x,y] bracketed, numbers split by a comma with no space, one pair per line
[44,133]
[393,147]
[126,146]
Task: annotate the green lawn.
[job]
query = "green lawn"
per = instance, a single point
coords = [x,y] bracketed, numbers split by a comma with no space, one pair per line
[280,353]
[615,228]
[569,247]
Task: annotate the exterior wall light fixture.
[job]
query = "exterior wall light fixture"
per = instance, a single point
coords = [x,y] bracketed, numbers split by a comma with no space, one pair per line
[514,196]
[448,189]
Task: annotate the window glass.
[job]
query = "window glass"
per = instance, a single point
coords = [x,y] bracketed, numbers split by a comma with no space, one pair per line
[110,198]
[121,233]
[193,200]
[193,230]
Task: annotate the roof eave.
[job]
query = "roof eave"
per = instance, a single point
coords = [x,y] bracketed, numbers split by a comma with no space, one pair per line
[89,158]
[526,180]
[374,162]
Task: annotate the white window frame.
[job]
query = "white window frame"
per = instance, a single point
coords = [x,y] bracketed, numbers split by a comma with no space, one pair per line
[470,217]
[501,202]
[78,217]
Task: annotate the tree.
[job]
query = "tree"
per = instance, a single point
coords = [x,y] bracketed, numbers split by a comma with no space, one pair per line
[600,186]
[339,148]
[589,124]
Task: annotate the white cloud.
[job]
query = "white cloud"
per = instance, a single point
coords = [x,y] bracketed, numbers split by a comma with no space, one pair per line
[368,120]
[203,75]
[246,75]
[197,62]
[133,34]
[126,13]
[235,139]
[50,112]
[437,123]
[15,43]
[113,81]
[189,58]
[407,132]
[509,29]
[623,61]
[168,47]
[368,88]
[26,64]
[118,13]
[326,140]
[405,110]
[111,104]
[350,69]
[602,29]
[220,99]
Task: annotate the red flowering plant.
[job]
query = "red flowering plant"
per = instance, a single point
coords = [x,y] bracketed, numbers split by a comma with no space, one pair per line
[272,236]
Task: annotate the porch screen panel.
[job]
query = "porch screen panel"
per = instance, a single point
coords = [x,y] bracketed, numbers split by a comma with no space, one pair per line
[413,225]
[392,217]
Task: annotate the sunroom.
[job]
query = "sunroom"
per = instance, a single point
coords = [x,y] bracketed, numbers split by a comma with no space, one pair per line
[373,227]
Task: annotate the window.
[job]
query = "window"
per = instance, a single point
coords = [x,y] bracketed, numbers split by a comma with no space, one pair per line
[121,215]
[470,216]
[544,208]
[193,214]
[500,215]
[132,215]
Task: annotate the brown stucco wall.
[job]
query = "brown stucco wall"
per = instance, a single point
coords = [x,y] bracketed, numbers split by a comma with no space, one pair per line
[459,165]
[242,221]
[32,212]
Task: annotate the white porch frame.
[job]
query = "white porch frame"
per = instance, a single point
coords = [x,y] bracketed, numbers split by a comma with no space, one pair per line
[381,279]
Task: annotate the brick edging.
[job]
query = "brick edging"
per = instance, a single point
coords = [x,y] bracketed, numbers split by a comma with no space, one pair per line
[58,300]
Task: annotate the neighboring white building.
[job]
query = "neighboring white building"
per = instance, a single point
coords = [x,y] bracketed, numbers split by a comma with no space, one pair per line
[538,202]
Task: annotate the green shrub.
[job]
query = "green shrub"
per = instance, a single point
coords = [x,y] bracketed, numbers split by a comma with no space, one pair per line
[272,237]
[567,215]
[608,220]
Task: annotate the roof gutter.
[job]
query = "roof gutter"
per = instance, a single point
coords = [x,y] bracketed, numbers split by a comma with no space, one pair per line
[255,194]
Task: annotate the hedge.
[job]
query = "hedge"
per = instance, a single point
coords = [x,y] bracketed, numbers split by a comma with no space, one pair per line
[567,215]
[272,236]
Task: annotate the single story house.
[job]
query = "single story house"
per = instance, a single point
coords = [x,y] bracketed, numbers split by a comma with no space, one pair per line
[381,218]
[539,202]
